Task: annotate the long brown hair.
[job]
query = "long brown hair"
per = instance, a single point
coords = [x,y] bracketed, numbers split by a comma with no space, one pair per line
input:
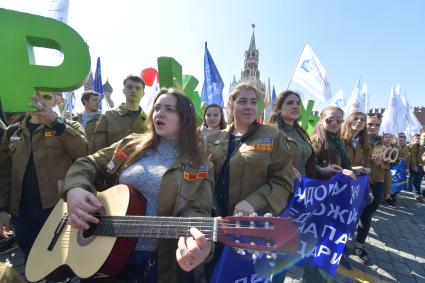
[347,134]
[188,140]
[276,117]
[222,123]
[319,133]
[234,95]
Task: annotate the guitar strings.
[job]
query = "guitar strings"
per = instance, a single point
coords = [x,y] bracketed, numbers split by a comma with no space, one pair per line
[194,222]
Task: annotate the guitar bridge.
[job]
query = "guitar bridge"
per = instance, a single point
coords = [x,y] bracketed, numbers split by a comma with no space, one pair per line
[58,231]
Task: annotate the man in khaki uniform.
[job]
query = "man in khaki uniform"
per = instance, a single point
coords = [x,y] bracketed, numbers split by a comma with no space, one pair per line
[128,118]
[403,149]
[91,115]
[40,149]
[416,151]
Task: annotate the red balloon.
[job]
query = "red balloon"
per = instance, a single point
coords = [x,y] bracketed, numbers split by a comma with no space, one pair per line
[149,75]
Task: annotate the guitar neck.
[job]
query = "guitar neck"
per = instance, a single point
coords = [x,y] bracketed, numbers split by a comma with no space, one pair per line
[155,227]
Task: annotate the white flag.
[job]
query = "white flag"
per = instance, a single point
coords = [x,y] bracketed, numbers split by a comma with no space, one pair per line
[353,104]
[413,126]
[339,100]
[364,99]
[393,120]
[311,75]
[58,10]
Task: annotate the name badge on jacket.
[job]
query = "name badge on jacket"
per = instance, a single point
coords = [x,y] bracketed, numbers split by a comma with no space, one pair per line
[194,174]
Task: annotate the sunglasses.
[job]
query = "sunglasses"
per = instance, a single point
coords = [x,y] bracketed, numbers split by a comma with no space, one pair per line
[373,124]
[336,120]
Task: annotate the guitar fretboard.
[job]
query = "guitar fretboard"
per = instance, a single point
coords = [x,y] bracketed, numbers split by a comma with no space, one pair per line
[153,226]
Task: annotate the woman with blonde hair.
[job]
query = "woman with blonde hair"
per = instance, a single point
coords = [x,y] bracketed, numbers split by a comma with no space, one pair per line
[332,157]
[356,141]
[252,162]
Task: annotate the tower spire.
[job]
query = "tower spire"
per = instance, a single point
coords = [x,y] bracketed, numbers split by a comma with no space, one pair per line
[252,42]
[250,70]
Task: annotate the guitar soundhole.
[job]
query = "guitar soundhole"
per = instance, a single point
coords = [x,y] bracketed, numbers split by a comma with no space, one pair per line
[85,237]
[89,232]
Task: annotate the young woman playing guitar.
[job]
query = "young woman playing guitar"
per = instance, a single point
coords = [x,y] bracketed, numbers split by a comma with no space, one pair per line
[167,167]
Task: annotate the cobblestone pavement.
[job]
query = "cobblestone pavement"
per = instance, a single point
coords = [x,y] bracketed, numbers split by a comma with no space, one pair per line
[396,246]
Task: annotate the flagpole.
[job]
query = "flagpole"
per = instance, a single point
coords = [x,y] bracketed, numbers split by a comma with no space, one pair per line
[293,73]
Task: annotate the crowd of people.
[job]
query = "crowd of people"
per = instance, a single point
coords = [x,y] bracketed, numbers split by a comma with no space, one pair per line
[238,166]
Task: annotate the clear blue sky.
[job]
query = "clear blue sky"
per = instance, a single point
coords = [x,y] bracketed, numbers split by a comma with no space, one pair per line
[382,41]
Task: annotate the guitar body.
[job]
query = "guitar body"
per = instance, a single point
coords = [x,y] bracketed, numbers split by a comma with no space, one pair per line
[86,255]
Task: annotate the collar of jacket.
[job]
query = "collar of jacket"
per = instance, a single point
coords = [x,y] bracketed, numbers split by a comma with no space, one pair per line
[23,124]
[124,111]
[251,130]
[79,117]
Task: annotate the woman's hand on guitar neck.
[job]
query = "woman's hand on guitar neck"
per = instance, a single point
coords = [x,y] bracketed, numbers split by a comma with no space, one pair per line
[192,251]
[80,204]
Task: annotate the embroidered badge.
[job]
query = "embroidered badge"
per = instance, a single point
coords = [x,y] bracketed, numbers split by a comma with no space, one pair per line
[262,145]
[194,174]
[49,134]
[120,154]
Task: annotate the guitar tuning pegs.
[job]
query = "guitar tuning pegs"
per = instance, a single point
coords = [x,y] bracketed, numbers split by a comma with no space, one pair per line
[272,256]
[267,224]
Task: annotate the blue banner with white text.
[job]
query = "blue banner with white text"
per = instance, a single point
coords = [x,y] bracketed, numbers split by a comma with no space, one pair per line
[399,176]
[326,213]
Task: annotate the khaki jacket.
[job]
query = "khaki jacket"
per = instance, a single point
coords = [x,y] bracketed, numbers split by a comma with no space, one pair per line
[356,156]
[90,126]
[53,155]
[416,152]
[378,169]
[116,124]
[310,166]
[260,170]
[404,153]
[178,196]
[325,158]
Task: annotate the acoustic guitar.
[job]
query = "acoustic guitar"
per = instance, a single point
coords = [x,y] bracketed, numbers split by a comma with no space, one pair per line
[60,251]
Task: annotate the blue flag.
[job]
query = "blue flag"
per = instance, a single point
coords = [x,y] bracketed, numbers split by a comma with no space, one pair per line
[399,176]
[97,82]
[212,89]
[273,96]
[326,212]
[69,99]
